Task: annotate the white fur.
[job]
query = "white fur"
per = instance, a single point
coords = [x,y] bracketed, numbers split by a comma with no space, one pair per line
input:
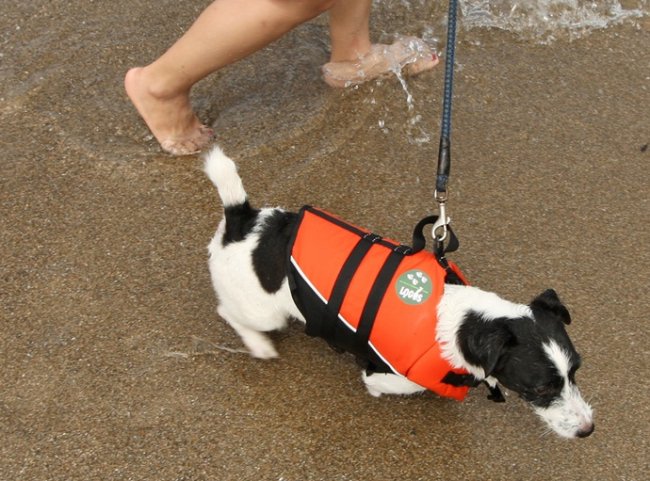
[558,357]
[243,303]
[378,384]
[222,171]
[570,414]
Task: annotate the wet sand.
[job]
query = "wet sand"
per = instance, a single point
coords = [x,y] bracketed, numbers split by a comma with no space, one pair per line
[113,365]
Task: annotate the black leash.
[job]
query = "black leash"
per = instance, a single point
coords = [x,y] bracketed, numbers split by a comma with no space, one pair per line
[441,227]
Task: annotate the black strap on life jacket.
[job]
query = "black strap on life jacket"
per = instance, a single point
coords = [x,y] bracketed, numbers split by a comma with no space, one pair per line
[341,285]
[469,380]
[377,291]
[328,326]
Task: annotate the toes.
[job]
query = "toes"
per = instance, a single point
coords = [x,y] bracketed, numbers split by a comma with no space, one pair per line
[422,65]
[206,131]
[189,146]
[414,55]
[179,147]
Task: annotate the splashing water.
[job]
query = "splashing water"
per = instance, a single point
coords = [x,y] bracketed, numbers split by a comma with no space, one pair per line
[409,96]
[396,58]
[538,21]
[417,49]
[415,133]
[403,53]
[544,21]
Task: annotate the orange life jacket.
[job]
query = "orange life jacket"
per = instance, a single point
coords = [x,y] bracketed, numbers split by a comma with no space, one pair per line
[372,297]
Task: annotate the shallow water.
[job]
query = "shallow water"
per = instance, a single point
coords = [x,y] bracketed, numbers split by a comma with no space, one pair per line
[544,21]
[533,22]
[538,21]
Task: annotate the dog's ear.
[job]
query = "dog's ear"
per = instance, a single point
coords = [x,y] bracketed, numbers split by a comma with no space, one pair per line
[485,342]
[550,302]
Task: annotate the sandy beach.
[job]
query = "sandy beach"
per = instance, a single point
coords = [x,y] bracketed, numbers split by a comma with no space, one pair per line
[115,365]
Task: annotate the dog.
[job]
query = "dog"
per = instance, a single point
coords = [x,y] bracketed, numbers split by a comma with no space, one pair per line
[480,336]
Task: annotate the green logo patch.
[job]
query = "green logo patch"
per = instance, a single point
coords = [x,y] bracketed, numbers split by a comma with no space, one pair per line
[414,287]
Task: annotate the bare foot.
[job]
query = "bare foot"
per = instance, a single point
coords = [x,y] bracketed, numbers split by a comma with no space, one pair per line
[170,119]
[410,54]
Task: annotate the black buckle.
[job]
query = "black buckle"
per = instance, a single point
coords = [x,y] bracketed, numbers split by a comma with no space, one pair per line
[402,249]
[372,238]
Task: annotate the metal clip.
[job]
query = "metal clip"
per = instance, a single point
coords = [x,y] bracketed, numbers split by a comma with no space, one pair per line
[443,221]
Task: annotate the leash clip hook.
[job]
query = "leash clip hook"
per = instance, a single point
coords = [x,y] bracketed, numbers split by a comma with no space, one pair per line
[443,220]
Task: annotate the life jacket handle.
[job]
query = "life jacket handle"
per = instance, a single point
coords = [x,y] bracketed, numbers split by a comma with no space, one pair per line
[420,242]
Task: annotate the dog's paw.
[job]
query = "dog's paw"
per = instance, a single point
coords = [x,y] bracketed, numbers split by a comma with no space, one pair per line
[373,392]
[496,395]
[385,383]
[258,343]
[266,353]
[262,349]
[369,381]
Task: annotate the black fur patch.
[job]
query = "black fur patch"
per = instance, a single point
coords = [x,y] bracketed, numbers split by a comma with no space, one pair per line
[240,221]
[550,302]
[512,351]
[484,342]
[270,255]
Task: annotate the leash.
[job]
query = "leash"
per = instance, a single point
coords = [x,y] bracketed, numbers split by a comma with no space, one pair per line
[440,194]
[441,227]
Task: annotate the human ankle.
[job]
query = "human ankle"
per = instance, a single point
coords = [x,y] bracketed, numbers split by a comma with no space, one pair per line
[351,54]
[160,86]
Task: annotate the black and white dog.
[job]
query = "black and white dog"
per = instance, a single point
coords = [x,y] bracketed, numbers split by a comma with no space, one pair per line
[522,347]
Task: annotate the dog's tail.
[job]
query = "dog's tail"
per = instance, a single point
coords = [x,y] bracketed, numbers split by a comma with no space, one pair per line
[222,171]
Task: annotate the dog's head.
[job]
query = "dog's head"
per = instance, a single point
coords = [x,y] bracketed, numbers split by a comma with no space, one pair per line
[534,357]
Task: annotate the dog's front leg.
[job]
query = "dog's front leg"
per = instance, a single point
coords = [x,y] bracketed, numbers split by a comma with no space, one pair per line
[381,383]
[495,393]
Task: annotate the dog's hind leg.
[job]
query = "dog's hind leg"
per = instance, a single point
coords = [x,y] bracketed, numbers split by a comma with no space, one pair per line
[258,343]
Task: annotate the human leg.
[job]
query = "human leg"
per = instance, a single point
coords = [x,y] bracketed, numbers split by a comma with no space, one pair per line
[226,31]
[350,29]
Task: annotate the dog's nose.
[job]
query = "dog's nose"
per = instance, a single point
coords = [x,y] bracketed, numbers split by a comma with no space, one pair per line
[583,433]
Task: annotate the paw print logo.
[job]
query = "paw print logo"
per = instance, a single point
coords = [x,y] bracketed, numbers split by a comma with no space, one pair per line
[417,278]
[414,287]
